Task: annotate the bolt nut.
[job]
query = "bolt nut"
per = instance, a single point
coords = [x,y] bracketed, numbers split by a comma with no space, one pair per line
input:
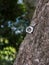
[29,29]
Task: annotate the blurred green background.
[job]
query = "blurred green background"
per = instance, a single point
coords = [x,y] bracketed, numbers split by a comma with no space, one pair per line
[13,22]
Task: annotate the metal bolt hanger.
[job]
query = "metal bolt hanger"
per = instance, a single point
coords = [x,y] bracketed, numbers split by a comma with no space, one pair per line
[30,28]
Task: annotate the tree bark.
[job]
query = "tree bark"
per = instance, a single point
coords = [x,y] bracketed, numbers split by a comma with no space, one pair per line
[34,49]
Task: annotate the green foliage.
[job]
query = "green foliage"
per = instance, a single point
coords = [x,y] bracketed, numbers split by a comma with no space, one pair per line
[10,39]
[21,9]
[13,33]
[12,29]
[7,54]
[11,36]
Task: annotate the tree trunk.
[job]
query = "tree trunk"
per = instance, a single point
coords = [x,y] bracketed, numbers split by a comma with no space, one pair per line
[34,50]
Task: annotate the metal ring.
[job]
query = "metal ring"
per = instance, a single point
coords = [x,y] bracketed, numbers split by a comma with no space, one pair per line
[29,29]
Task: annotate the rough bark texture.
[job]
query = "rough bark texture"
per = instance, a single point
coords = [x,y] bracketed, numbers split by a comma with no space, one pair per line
[34,50]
